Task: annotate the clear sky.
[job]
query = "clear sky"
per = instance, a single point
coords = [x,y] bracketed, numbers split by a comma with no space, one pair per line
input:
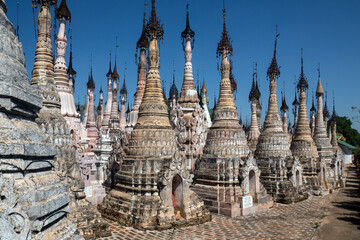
[327,30]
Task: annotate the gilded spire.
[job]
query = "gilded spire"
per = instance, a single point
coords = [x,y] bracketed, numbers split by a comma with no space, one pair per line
[319,89]
[203,88]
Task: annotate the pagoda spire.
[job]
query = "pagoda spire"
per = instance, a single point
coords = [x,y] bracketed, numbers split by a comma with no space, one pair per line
[274,68]
[257,95]
[71,73]
[91,121]
[189,95]
[321,139]
[114,116]
[109,73]
[142,44]
[225,49]
[334,142]
[205,103]
[303,145]
[173,93]
[108,104]
[312,116]
[123,92]
[43,71]
[100,111]
[254,131]
[273,126]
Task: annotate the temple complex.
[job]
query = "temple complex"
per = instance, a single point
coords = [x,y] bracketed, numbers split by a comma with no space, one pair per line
[303,145]
[152,184]
[161,162]
[227,177]
[281,174]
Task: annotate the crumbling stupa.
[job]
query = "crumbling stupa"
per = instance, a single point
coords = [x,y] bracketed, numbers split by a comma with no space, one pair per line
[53,124]
[34,200]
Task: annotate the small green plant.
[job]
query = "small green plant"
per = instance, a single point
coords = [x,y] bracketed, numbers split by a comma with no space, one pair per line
[322,217]
[316,224]
[121,223]
[174,225]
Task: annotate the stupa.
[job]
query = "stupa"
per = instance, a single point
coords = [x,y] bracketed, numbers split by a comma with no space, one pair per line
[303,145]
[227,177]
[53,124]
[254,131]
[152,186]
[204,104]
[281,174]
[142,44]
[34,198]
[108,104]
[192,135]
[322,142]
[284,108]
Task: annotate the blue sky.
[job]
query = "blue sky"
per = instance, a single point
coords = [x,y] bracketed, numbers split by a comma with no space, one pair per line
[327,30]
